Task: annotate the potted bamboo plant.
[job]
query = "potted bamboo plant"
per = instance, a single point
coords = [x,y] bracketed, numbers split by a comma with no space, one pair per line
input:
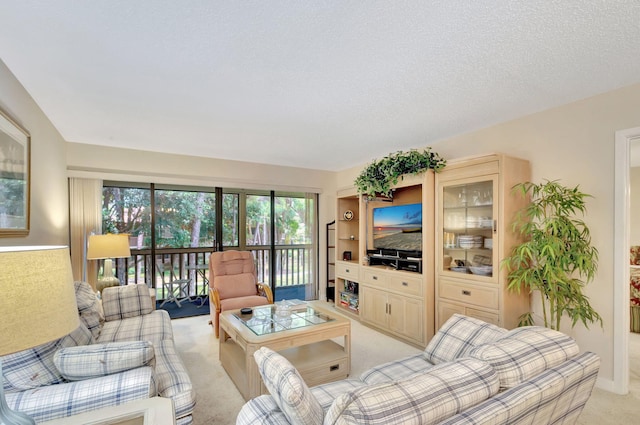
[556,258]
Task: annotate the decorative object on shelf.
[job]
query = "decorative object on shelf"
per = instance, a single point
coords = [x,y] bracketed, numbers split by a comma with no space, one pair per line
[14,184]
[556,254]
[348,215]
[107,247]
[481,270]
[283,310]
[470,241]
[351,287]
[38,292]
[346,256]
[377,178]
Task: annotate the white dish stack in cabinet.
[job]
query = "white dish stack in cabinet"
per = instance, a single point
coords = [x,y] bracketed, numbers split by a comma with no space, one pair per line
[475,207]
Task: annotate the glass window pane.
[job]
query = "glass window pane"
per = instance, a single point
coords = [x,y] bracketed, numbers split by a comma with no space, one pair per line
[230,219]
[127,210]
[293,220]
[184,219]
[258,220]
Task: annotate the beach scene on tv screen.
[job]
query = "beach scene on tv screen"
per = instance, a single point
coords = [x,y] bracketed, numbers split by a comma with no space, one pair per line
[398,227]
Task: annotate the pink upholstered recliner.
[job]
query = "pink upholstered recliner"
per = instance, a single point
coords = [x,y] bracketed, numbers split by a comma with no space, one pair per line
[233,284]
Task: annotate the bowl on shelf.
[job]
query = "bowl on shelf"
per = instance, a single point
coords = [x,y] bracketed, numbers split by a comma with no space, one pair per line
[459,269]
[481,270]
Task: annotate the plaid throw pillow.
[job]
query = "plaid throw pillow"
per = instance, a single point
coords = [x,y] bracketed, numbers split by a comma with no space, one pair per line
[121,302]
[89,308]
[458,336]
[34,367]
[424,398]
[526,352]
[288,388]
[90,361]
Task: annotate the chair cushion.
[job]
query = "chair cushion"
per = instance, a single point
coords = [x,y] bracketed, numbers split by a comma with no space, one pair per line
[90,361]
[396,369]
[425,398]
[236,303]
[230,263]
[237,285]
[288,388]
[458,336]
[34,367]
[121,302]
[89,308]
[525,352]
[153,327]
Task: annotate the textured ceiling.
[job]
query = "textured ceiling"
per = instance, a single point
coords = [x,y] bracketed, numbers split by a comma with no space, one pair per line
[314,84]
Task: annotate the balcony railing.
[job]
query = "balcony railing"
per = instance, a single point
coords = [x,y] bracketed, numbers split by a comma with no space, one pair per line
[293,268]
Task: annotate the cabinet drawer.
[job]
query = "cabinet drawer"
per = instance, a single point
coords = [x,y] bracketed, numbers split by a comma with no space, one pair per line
[484,316]
[406,285]
[347,270]
[375,277]
[469,294]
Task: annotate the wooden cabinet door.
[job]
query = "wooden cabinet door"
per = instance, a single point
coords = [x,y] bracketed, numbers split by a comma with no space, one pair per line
[373,306]
[406,317]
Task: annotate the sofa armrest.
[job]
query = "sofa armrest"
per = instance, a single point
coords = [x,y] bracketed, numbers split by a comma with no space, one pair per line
[121,302]
[62,400]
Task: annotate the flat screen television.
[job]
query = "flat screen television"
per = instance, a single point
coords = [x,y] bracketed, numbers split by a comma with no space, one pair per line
[398,227]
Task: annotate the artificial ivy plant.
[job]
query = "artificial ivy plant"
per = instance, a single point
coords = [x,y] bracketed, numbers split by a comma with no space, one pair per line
[556,257]
[378,177]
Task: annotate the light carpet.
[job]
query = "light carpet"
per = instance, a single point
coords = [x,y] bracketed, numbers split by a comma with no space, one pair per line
[218,400]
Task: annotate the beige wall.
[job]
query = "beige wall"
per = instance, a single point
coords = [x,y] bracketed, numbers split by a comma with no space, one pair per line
[49,193]
[573,143]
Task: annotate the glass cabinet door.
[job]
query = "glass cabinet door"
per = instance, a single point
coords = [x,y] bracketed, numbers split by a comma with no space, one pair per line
[469,228]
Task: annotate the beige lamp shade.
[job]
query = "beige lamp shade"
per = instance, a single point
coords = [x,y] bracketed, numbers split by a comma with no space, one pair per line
[108,246]
[37,296]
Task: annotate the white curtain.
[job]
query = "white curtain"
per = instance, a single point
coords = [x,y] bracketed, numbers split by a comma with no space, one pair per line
[311,221]
[85,217]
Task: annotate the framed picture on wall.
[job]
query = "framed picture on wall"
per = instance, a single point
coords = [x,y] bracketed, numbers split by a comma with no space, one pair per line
[14,178]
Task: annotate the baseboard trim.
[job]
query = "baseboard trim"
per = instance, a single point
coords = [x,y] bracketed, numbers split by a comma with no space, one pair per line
[608,385]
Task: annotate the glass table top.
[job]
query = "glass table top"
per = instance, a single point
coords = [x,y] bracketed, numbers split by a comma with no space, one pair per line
[266,320]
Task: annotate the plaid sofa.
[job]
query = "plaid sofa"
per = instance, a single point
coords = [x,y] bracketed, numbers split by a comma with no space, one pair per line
[471,372]
[122,351]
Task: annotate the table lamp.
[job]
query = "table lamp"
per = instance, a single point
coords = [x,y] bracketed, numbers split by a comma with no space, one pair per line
[107,247]
[38,305]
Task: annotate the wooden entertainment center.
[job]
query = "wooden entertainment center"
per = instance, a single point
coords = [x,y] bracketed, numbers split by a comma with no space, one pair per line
[384,288]
[467,210]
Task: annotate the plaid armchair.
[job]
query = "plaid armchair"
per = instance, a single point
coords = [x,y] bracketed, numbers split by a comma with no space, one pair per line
[117,355]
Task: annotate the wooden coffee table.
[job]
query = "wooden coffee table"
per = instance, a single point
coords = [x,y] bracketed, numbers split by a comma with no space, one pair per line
[305,339]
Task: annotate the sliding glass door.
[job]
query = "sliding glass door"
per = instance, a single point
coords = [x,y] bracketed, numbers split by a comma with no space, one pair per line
[174,229]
